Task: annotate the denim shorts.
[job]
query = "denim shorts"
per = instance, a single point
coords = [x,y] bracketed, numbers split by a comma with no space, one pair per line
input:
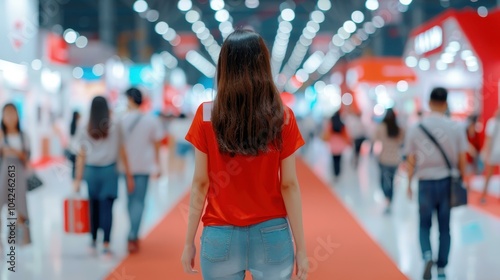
[265,249]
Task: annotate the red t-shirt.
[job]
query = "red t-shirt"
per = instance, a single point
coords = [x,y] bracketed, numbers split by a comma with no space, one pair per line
[243,190]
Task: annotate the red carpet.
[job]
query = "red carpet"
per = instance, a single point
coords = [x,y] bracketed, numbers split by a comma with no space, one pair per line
[338,247]
[492,205]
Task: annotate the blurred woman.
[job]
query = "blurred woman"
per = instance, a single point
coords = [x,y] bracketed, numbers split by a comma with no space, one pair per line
[72,150]
[491,151]
[246,139]
[100,146]
[14,160]
[473,158]
[335,134]
[390,137]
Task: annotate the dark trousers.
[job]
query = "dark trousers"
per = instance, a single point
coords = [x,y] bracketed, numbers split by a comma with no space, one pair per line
[357,148]
[387,174]
[434,195]
[336,159]
[101,216]
[136,204]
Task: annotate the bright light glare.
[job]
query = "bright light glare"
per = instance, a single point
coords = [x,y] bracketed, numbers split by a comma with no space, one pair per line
[482,11]
[402,86]
[192,16]
[252,4]
[98,69]
[357,16]
[217,5]
[184,5]
[349,26]
[77,72]
[222,15]
[170,35]
[441,66]
[81,42]
[288,14]
[152,15]
[70,36]
[36,64]
[372,5]
[454,46]
[465,54]
[324,5]
[378,21]
[424,64]
[411,61]
[405,2]
[317,16]
[161,27]
[337,41]
[140,6]
[378,110]
[347,99]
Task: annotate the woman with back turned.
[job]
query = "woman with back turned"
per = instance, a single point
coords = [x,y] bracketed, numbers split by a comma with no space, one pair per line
[391,138]
[245,140]
[99,148]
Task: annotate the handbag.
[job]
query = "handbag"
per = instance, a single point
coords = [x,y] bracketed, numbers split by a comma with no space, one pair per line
[34,182]
[458,193]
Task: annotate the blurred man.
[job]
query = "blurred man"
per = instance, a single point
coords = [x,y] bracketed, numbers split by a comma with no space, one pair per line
[426,162]
[142,135]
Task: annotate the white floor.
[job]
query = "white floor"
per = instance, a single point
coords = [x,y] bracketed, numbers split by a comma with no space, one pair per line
[475,252]
[55,255]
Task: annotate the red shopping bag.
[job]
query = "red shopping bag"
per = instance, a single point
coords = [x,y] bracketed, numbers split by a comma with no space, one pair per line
[76,215]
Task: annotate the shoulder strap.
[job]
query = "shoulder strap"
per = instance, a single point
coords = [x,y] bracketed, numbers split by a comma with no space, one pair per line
[437,145]
[134,123]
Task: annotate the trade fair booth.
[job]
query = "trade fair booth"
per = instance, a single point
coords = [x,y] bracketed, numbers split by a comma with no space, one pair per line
[458,50]
[370,85]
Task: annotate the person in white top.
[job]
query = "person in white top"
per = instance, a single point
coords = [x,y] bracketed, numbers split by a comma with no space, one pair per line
[14,156]
[142,134]
[100,147]
[357,132]
[427,163]
[491,150]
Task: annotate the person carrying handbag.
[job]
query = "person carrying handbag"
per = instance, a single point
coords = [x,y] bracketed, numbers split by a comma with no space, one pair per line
[14,151]
[435,147]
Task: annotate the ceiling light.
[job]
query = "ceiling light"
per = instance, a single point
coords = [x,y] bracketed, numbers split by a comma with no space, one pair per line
[402,85]
[140,6]
[411,61]
[405,2]
[217,5]
[161,27]
[350,26]
[424,64]
[318,16]
[152,15]
[70,36]
[81,42]
[357,16]
[98,70]
[378,21]
[324,5]
[77,72]
[482,11]
[222,15]
[252,4]
[184,5]
[372,5]
[36,64]
[288,14]
[192,16]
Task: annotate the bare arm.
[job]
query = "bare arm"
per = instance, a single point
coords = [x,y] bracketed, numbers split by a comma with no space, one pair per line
[80,163]
[410,168]
[199,189]
[487,149]
[290,191]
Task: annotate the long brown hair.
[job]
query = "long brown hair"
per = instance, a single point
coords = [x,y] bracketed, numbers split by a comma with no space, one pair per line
[99,120]
[247,116]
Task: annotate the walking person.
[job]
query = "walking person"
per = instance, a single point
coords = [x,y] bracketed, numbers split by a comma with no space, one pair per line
[357,132]
[14,163]
[72,149]
[427,164]
[246,140]
[391,138]
[142,134]
[100,147]
[491,151]
[335,134]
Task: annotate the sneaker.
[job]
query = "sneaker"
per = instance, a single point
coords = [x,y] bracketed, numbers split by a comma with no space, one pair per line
[93,248]
[427,270]
[441,273]
[133,246]
[107,254]
[387,210]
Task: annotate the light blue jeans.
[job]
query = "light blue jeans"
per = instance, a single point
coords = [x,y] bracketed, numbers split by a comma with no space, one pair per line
[136,205]
[265,249]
